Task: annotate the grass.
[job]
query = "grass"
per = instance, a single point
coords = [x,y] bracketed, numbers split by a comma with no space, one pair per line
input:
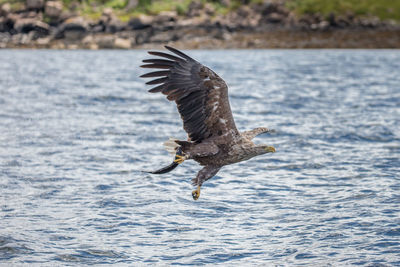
[383,9]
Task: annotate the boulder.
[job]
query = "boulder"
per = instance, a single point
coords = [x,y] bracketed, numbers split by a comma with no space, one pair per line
[53,9]
[74,28]
[8,22]
[244,11]
[108,12]
[121,43]
[194,8]
[141,22]
[29,24]
[97,28]
[5,9]
[209,9]
[21,39]
[109,22]
[370,22]
[142,37]
[268,8]
[132,4]
[5,38]
[44,41]
[166,16]
[105,41]
[275,18]
[34,4]
[114,25]
[2,24]
[164,37]
[225,3]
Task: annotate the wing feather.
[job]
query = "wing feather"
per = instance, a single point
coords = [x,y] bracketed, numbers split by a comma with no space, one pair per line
[155,74]
[200,94]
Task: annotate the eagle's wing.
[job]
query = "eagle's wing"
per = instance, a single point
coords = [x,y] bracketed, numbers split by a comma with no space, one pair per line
[200,94]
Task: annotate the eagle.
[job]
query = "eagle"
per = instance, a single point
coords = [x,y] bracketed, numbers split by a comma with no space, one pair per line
[202,100]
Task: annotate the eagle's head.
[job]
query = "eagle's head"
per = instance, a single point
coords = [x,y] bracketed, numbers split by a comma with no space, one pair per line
[267,149]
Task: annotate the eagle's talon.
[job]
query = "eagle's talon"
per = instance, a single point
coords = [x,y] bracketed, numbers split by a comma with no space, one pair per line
[179,159]
[196,193]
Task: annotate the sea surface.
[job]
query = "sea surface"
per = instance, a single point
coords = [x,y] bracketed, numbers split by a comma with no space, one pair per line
[77,129]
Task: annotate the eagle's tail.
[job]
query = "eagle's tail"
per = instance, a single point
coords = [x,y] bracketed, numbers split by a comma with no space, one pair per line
[166,169]
[178,155]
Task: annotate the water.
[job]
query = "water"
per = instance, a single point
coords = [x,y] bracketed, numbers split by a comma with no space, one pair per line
[77,128]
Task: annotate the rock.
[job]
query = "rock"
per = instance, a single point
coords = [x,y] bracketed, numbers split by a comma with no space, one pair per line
[268,8]
[29,24]
[323,25]
[114,25]
[308,19]
[121,43]
[108,12]
[98,28]
[244,11]
[105,41]
[5,9]
[21,39]
[371,22]
[93,46]
[132,4]
[3,25]
[74,28]
[141,22]
[142,37]
[34,4]
[332,19]
[275,18]
[72,46]
[87,40]
[45,41]
[89,43]
[194,8]
[164,37]
[65,15]
[5,38]
[32,15]
[209,9]
[225,3]
[343,22]
[53,9]
[7,23]
[57,45]
[166,16]
[109,22]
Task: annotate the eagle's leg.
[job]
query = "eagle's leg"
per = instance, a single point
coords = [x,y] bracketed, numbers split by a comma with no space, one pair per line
[203,175]
[196,193]
[180,157]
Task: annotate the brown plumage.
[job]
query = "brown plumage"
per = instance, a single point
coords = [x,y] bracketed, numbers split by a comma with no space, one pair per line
[202,100]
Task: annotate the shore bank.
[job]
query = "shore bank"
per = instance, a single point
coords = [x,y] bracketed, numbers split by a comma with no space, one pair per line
[268,25]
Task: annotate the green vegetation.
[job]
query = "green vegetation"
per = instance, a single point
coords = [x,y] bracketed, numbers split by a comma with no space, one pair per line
[383,9]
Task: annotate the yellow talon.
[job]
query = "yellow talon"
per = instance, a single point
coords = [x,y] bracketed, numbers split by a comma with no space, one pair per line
[179,159]
[196,193]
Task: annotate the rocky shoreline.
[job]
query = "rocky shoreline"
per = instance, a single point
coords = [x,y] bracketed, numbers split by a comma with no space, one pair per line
[46,24]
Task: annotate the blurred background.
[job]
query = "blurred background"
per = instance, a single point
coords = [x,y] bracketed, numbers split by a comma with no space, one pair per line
[125,24]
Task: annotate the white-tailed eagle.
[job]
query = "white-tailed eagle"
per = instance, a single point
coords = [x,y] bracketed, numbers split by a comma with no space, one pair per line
[202,100]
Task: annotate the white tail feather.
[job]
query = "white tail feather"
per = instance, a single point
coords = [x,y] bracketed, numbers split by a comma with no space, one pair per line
[171,146]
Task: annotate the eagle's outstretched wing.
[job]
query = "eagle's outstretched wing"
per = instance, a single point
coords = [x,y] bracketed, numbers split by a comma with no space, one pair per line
[200,94]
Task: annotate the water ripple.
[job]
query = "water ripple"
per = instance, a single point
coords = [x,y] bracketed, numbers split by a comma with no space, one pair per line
[78,128]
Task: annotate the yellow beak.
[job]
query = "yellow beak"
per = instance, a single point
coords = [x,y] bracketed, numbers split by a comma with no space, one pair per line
[270,149]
